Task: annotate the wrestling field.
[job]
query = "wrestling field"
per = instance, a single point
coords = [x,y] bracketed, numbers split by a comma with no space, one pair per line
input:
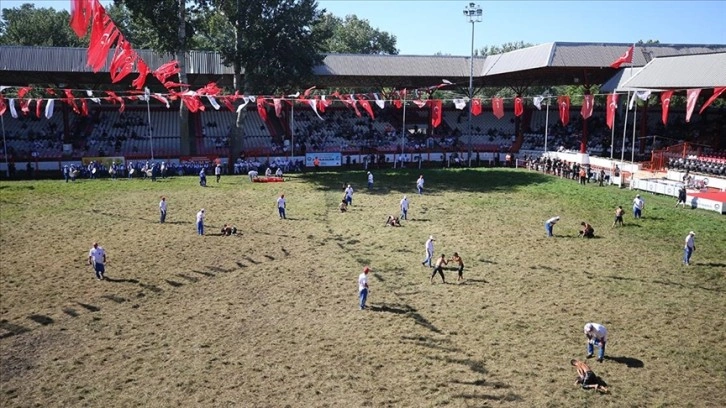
[269,318]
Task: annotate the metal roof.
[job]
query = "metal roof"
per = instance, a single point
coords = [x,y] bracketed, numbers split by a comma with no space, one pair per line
[682,72]
[616,83]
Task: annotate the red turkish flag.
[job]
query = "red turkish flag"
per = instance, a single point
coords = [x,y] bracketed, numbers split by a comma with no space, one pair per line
[518,106]
[2,105]
[166,70]
[498,107]
[588,103]
[476,107]
[143,69]
[436,113]
[113,98]
[612,106]
[38,107]
[84,107]
[563,103]
[367,106]
[716,93]
[691,98]
[627,57]
[103,35]
[80,16]
[665,101]
[278,107]
[123,61]
[261,109]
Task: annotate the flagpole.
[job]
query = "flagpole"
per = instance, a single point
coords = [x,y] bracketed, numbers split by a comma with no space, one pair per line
[403,133]
[632,151]
[151,137]
[547,122]
[292,130]
[612,134]
[622,151]
[5,147]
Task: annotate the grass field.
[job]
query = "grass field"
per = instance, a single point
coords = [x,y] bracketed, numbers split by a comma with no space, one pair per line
[269,318]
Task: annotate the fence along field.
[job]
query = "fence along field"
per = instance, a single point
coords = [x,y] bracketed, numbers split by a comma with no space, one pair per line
[269,317]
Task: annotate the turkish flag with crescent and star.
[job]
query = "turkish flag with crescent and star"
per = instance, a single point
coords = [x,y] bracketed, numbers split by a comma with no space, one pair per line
[476,107]
[498,107]
[588,103]
[627,57]
[436,113]
[716,93]
[665,101]
[261,109]
[518,106]
[563,104]
[612,106]
[691,98]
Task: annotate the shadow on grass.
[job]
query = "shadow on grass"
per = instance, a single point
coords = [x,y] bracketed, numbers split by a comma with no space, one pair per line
[664,282]
[482,383]
[407,311]
[711,264]
[628,361]
[511,397]
[437,180]
[115,280]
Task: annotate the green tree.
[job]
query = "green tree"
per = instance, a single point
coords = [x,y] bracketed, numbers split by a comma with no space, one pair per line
[27,25]
[352,35]
[500,49]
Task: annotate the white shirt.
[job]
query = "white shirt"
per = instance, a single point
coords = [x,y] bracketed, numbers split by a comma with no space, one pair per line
[430,246]
[690,241]
[200,216]
[278,173]
[638,203]
[370,177]
[349,192]
[404,204]
[599,332]
[252,173]
[162,205]
[97,254]
[420,182]
[281,202]
[362,281]
[552,221]
[218,170]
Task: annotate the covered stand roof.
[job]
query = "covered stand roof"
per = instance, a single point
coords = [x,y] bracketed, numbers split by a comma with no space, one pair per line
[681,72]
[548,64]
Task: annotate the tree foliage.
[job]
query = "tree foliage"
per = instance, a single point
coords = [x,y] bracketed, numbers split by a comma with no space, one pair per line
[500,49]
[30,26]
[356,36]
[156,24]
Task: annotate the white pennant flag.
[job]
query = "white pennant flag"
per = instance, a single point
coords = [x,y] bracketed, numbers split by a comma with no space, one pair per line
[158,96]
[460,104]
[538,102]
[314,105]
[691,98]
[213,102]
[642,95]
[247,100]
[380,102]
[97,100]
[13,112]
[49,108]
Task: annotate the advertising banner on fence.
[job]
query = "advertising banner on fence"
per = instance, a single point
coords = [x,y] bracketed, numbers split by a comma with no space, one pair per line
[326,159]
[200,159]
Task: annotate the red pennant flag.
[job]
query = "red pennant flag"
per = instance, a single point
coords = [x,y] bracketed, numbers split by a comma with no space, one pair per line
[123,61]
[143,69]
[261,109]
[588,103]
[563,102]
[84,107]
[612,106]
[397,103]
[436,113]
[307,92]
[166,70]
[625,58]
[113,98]
[71,100]
[80,16]
[367,106]
[716,93]
[691,98]
[518,106]
[476,107]
[2,105]
[278,107]
[38,107]
[192,102]
[665,101]
[498,107]
[321,104]
[105,33]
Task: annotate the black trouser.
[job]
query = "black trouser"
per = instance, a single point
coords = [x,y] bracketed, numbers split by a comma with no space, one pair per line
[440,270]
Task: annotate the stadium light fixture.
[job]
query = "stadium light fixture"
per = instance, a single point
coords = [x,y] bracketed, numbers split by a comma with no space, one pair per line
[474,14]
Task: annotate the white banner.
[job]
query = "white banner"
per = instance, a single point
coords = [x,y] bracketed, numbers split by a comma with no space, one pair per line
[326,159]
